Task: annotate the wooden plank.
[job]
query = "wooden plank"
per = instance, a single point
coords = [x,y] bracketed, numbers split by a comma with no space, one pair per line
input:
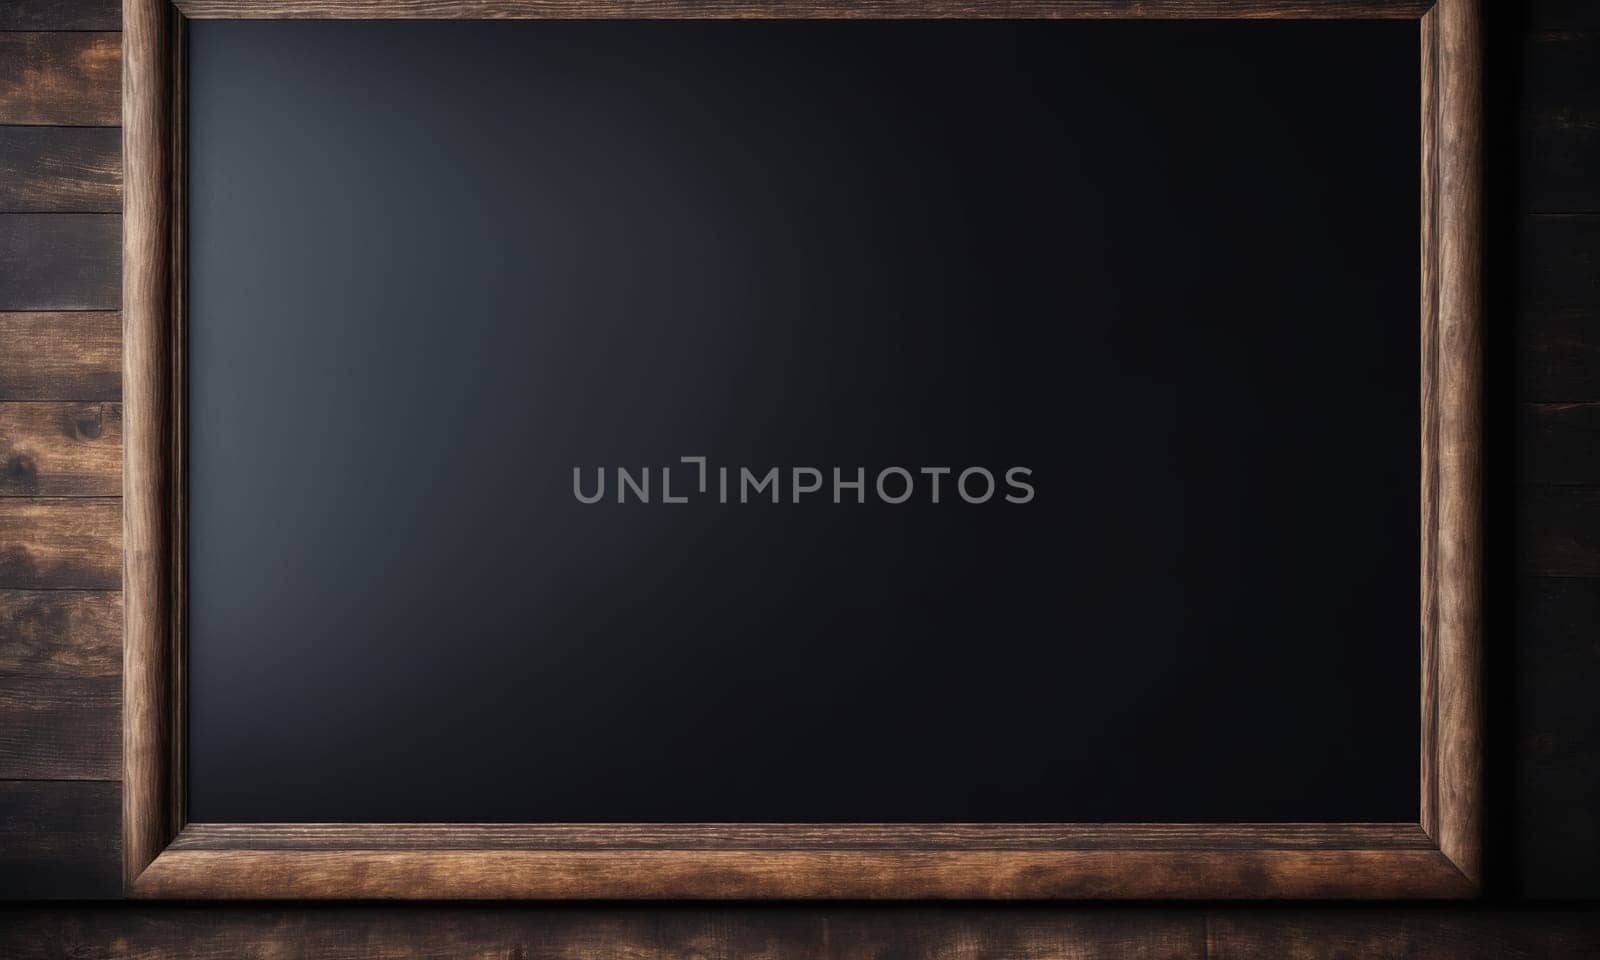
[1563,14]
[61,356]
[58,839]
[1556,259]
[1428,425]
[1558,116]
[814,9]
[61,15]
[61,633]
[60,449]
[60,728]
[60,544]
[152,801]
[1558,443]
[800,874]
[837,932]
[60,261]
[61,79]
[1558,531]
[1553,737]
[548,933]
[60,170]
[1481,934]
[1456,560]
[1557,353]
[801,836]
[1558,298]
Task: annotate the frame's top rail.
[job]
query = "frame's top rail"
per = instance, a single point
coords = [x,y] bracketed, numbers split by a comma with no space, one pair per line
[805,9]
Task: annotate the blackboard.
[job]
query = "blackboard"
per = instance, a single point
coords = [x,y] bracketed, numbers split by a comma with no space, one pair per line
[1167,269]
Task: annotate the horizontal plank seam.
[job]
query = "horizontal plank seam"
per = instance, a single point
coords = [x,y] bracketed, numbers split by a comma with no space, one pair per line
[1581,33]
[71,590]
[59,126]
[7,211]
[6,780]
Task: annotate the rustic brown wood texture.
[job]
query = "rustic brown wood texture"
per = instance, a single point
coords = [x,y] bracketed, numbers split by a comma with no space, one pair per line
[60,544]
[61,355]
[1559,119]
[60,78]
[151,743]
[243,932]
[61,15]
[59,261]
[555,861]
[1428,426]
[57,839]
[1560,536]
[60,170]
[60,633]
[1412,934]
[1559,443]
[802,9]
[60,449]
[1457,514]
[60,728]
[830,875]
[797,836]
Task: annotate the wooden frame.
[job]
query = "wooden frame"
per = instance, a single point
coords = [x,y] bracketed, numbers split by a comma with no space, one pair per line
[166,856]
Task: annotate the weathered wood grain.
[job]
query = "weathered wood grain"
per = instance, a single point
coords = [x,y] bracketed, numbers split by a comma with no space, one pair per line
[1457,561]
[1558,113]
[60,170]
[60,544]
[57,839]
[1428,426]
[60,78]
[1556,258]
[1558,354]
[689,861]
[797,9]
[1554,735]
[59,261]
[60,728]
[1558,531]
[61,633]
[1557,279]
[804,874]
[60,449]
[61,356]
[61,15]
[1484,934]
[837,932]
[1558,443]
[553,933]
[152,801]
[1563,15]
[800,836]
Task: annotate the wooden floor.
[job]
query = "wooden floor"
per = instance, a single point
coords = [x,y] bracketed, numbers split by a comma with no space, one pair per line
[60,565]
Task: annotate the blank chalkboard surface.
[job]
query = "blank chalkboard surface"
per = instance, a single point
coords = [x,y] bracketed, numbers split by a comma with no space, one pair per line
[1081,361]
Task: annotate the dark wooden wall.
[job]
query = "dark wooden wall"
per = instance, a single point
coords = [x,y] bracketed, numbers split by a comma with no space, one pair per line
[60,565]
